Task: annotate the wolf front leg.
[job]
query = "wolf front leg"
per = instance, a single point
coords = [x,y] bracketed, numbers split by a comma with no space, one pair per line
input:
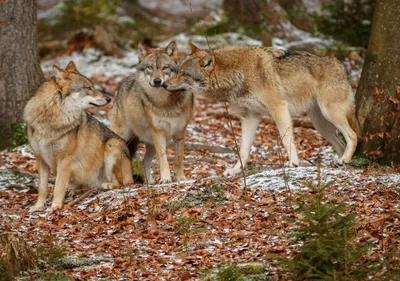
[62,180]
[249,128]
[160,143]
[179,142]
[44,172]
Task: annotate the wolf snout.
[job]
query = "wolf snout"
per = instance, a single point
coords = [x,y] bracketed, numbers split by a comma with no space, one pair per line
[157,82]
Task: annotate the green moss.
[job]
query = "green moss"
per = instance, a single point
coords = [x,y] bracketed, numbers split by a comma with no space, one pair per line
[237,272]
[215,191]
[5,274]
[50,254]
[52,276]
[68,262]
[360,162]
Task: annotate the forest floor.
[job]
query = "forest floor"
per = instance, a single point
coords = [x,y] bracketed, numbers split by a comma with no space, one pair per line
[180,231]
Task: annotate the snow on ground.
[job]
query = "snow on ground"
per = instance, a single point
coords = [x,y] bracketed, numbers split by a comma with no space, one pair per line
[91,62]
[296,38]
[215,41]
[294,178]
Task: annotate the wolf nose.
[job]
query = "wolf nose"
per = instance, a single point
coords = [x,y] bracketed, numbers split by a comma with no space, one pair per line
[157,81]
[108,99]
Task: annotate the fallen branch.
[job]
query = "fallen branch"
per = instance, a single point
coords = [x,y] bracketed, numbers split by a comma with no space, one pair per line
[297,121]
[210,148]
[85,195]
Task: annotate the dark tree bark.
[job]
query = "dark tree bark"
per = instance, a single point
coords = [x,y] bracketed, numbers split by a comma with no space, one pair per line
[20,72]
[378,94]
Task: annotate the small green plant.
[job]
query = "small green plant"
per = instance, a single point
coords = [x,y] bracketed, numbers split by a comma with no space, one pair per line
[187,224]
[19,137]
[326,235]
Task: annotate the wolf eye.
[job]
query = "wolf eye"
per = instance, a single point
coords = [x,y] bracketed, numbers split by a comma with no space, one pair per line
[149,67]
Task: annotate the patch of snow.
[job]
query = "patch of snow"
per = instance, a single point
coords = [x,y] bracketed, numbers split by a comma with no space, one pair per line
[273,180]
[313,6]
[212,42]
[91,61]
[25,150]
[296,38]
[179,7]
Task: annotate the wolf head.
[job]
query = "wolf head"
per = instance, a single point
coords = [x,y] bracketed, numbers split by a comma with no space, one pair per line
[157,65]
[76,90]
[193,73]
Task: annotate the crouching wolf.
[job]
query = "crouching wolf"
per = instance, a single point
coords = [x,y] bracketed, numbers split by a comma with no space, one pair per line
[145,112]
[256,80]
[65,139]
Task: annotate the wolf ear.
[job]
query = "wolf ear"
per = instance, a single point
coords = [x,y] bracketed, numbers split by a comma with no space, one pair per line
[60,73]
[143,51]
[71,67]
[208,61]
[193,47]
[172,50]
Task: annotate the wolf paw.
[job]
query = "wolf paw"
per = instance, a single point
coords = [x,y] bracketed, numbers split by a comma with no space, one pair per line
[165,180]
[36,208]
[53,207]
[341,161]
[181,178]
[108,186]
[232,172]
[289,164]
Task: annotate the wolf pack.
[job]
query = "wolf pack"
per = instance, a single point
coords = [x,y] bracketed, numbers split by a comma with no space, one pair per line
[155,106]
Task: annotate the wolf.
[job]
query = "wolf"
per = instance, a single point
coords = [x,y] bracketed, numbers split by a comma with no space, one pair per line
[259,80]
[145,112]
[68,141]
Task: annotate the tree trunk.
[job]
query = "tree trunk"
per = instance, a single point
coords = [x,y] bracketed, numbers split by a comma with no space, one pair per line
[20,72]
[378,95]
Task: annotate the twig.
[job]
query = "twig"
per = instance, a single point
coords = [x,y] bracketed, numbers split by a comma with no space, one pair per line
[230,123]
[83,197]
[211,148]
[236,147]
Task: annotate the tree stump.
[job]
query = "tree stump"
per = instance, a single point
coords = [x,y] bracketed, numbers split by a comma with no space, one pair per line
[15,254]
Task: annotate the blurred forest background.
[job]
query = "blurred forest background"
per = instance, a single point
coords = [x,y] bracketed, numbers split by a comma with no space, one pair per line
[319,26]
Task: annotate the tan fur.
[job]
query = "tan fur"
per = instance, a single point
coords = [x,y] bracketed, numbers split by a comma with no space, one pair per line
[76,147]
[256,80]
[152,115]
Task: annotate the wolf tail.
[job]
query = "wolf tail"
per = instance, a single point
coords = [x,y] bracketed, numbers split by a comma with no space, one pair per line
[132,146]
[353,121]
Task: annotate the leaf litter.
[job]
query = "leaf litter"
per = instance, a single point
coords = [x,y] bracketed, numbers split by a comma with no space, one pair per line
[176,231]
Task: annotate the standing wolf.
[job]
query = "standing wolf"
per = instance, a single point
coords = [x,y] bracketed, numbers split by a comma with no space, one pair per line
[256,80]
[146,112]
[65,139]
